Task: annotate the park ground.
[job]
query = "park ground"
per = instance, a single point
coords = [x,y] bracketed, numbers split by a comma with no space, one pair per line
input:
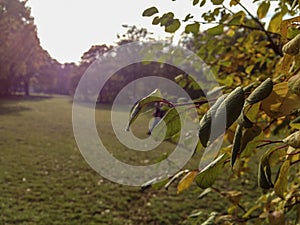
[45,180]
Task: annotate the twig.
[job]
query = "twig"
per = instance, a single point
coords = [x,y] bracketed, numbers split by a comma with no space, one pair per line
[274,46]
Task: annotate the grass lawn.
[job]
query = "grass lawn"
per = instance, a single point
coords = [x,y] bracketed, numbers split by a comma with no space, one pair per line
[45,180]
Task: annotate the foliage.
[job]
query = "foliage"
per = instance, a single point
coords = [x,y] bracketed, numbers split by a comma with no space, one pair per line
[263,58]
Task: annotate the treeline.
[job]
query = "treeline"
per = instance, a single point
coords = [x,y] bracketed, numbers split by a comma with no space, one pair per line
[25,67]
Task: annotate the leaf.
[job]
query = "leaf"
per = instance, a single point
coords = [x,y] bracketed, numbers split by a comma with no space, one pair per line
[156,20]
[285,24]
[137,108]
[281,101]
[294,84]
[192,28]
[204,193]
[206,177]
[168,126]
[150,11]
[249,135]
[202,3]
[295,123]
[293,46]
[233,104]
[261,92]
[251,112]
[234,2]
[263,9]
[236,146]
[274,25]
[281,183]
[217,2]
[217,30]
[188,17]
[195,2]
[237,18]
[293,140]
[206,120]
[186,181]
[174,26]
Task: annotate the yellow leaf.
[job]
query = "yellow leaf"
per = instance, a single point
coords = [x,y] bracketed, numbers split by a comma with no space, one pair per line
[186,181]
[263,9]
[274,25]
[281,183]
[281,101]
[285,24]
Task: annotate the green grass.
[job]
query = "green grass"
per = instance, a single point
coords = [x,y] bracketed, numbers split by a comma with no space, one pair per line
[45,180]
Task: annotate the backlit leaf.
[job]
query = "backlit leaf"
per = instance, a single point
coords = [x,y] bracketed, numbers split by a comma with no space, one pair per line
[208,175]
[150,11]
[168,126]
[274,25]
[217,2]
[281,101]
[140,105]
[217,30]
[186,181]
[263,9]
[192,28]
[281,183]
[174,26]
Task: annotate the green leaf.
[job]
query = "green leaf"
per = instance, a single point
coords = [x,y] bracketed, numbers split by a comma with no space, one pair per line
[206,120]
[274,25]
[217,30]
[192,28]
[263,181]
[138,107]
[207,177]
[236,146]
[156,20]
[264,169]
[168,126]
[217,2]
[281,183]
[188,17]
[173,27]
[195,2]
[237,18]
[202,3]
[263,9]
[261,92]
[150,11]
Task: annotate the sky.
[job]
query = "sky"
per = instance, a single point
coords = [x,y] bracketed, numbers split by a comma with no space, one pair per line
[68,28]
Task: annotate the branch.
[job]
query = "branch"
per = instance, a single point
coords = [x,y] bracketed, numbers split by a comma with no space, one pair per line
[274,46]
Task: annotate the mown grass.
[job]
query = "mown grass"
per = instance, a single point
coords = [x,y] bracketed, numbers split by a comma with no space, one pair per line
[45,180]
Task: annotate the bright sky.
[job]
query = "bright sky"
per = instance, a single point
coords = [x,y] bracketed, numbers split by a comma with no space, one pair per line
[68,28]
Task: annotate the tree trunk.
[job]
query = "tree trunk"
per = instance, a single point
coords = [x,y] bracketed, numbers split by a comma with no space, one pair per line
[26,88]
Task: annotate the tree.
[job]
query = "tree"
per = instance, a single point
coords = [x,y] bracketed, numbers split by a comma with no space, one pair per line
[20,51]
[262,83]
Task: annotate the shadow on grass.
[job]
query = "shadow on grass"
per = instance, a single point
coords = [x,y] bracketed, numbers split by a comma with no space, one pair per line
[26,98]
[8,103]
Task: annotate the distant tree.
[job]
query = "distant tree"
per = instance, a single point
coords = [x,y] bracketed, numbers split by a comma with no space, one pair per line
[20,52]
